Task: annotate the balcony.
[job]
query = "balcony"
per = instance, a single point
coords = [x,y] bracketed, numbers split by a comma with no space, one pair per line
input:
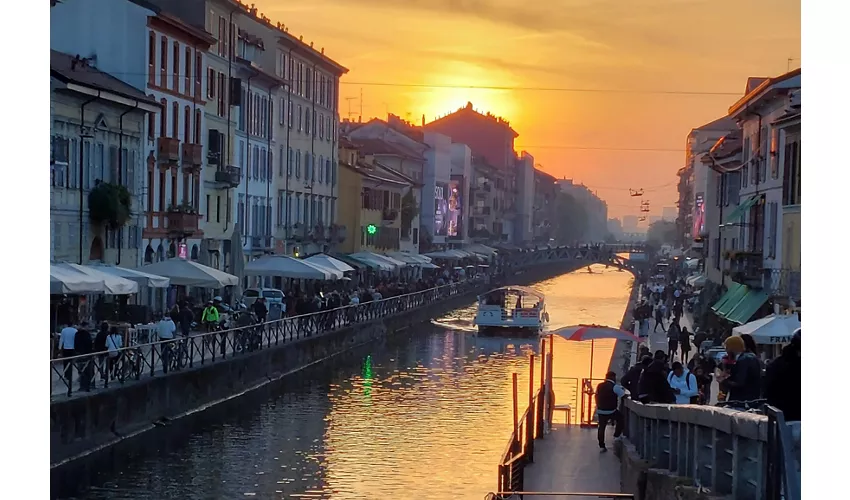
[265,243]
[298,232]
[389,214]
[228,176]
[318,233]
[182,220]
[193,155]
[783,283]
[338,233]
[746,267]
[167,150]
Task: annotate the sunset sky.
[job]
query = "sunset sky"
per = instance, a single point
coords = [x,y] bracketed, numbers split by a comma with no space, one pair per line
[636,46]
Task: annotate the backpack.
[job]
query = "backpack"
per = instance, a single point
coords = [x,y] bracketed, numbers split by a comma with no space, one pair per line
[694,399]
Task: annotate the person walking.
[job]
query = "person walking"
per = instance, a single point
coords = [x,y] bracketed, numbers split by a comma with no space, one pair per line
[659,318]
[114,342]
[165,331]
[608,394]
[673,334]
[632,377]
[685,344]
[85,366]
[66,350]
[783,381]
[653,386]
[684,384]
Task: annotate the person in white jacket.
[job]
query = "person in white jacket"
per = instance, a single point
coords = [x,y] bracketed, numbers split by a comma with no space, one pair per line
[684,384]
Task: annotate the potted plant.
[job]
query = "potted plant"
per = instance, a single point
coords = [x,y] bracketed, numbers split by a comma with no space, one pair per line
[109,205]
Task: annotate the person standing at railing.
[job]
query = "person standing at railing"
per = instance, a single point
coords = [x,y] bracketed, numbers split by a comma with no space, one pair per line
[114,343]
[608,394]
[165,331]
[632,377]
[783,380]
[85,367]
[743,383]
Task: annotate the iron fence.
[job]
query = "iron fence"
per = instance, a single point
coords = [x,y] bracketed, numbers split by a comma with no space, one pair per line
[520,448]
[132,363]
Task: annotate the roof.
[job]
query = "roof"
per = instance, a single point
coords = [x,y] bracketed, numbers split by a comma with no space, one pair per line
[469,111]
[368,172]
[728,145]
[246,64]
[398,174]
[724,123]
[787,81]
[345,143]
[71,69]
[522,290]
[382,147]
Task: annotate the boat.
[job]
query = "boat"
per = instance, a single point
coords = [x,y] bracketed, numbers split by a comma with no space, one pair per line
[511,310]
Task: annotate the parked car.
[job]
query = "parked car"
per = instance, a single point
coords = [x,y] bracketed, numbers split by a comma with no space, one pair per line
[272,295]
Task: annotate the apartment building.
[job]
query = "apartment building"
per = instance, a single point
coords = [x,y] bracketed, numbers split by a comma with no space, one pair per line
[154,50]
[98,135]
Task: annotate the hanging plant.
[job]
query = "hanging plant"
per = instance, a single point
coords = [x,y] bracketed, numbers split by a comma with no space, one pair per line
[109,205]
[409,209]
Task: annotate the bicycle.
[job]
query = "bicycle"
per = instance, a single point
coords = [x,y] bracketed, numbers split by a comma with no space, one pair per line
[180,354]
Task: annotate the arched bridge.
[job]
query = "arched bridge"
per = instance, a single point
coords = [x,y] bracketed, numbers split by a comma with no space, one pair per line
[584,255]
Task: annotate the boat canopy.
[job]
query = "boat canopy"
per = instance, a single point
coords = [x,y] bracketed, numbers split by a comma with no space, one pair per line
[520,290]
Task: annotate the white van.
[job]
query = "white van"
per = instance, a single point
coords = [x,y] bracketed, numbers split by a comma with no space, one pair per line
[272,295]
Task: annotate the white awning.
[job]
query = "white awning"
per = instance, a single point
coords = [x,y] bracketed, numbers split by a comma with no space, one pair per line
[184,272]
[143,279]
[325,260]
[111,284]
[283,266]
[369,259]
[773,329]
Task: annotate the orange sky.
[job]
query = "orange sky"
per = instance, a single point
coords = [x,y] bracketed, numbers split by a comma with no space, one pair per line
[637,45]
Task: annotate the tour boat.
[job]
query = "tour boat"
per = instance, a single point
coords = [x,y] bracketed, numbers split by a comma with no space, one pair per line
[512,310]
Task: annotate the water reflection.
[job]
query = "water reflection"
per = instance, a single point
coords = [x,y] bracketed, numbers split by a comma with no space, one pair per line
[425,416]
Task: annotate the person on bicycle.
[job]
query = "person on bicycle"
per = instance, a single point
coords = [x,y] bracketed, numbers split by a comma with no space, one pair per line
[165,331]
[210,316]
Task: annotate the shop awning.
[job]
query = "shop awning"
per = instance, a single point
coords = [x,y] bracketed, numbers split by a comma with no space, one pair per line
[747,306]
[730,289]
[734,217]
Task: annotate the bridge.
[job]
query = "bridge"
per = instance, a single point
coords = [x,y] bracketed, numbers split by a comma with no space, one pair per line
[609,254]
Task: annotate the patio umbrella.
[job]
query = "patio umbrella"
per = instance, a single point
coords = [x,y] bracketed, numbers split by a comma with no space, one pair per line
[327,261]
[184,272]
[111,284]
[289,267]
[68,280]
[581,333]
[770,330]
[143,279]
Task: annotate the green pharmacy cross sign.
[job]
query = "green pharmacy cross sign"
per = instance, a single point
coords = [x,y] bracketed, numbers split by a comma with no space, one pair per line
[371,229]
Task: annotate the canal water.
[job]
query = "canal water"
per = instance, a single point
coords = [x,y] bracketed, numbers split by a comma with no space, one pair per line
[427,415]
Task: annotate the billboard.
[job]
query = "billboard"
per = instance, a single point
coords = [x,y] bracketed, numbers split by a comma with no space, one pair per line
[454,207]
[698,228]
[441,208]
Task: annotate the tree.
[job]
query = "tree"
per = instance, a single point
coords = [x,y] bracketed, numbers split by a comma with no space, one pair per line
[571,224]
[662,232]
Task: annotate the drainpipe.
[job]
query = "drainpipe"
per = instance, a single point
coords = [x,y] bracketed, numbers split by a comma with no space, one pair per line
[226,146]
[121,158]
[82,128]
[269,166]
[247,155]
[758,174]
[288,126]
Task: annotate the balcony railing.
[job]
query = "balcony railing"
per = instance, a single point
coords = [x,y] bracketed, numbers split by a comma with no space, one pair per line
[193,155]
[167,150]
[783,283]
[746,267]
[182,222]
[338,232]
[262,242]
[229,176]
[389,214]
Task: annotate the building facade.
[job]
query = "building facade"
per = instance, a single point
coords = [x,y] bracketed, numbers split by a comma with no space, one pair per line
[544,210]
[461,184]
[98,135]
[595,208]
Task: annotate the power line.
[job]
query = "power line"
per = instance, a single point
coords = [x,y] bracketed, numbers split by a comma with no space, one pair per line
[603,148]
[481,87]
[539,89]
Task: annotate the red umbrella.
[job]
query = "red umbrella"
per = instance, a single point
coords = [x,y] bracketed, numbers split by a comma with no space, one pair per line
[579,333]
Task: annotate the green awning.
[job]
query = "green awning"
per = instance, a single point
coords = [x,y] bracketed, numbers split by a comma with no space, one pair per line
[733,301]
[748,306]
[741,210]
[730,289]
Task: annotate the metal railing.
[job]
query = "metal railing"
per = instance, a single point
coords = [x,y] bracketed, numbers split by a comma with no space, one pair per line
[507,495]
[724,451]
[520,448]
[132,363]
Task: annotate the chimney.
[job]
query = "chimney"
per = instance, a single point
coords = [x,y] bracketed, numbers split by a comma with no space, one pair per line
[423,119]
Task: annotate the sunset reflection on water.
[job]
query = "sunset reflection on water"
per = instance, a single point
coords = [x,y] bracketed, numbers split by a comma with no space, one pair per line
[422,416]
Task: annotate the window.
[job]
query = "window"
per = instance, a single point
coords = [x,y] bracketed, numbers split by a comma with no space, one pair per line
[163,63]
[772,230]
[308,174]
[211,83]
[209,209]
[280,207]
[197,135]
[243,110]
[222,37]
[313,130]
[175,119]
[289,112]
[175,66]
[329,173]
[199,68]
[163,119]
[300,117]
[289,162]
[270,165]
[321,169]
[217,207]
[270,119]
[187,124]
[240,213]
[222,94]
[255,165]
[321,126]
[264,159]
[744,175]
[308,82]
[151,58]
[282,111]
[328,132]
[297,164]
[186,197]
[150,207]
[162,190]
[791,174]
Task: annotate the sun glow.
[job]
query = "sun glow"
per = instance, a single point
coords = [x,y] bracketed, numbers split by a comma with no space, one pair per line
[454,87]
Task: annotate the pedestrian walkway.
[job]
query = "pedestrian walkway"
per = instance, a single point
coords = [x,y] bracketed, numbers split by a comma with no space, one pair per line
[568,460]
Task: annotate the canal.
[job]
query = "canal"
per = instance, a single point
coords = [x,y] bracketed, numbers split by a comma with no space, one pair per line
[426,415]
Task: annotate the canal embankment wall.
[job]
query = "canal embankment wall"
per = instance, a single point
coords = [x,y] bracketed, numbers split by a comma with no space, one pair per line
[108,425]
[623,350]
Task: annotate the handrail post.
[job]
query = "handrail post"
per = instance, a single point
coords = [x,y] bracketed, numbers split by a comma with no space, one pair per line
[529,418]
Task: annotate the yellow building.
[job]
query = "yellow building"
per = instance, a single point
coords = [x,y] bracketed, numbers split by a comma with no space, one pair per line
[788,128]
[370,198]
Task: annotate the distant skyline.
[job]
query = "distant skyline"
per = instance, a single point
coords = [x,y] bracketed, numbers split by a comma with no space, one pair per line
[610,141]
